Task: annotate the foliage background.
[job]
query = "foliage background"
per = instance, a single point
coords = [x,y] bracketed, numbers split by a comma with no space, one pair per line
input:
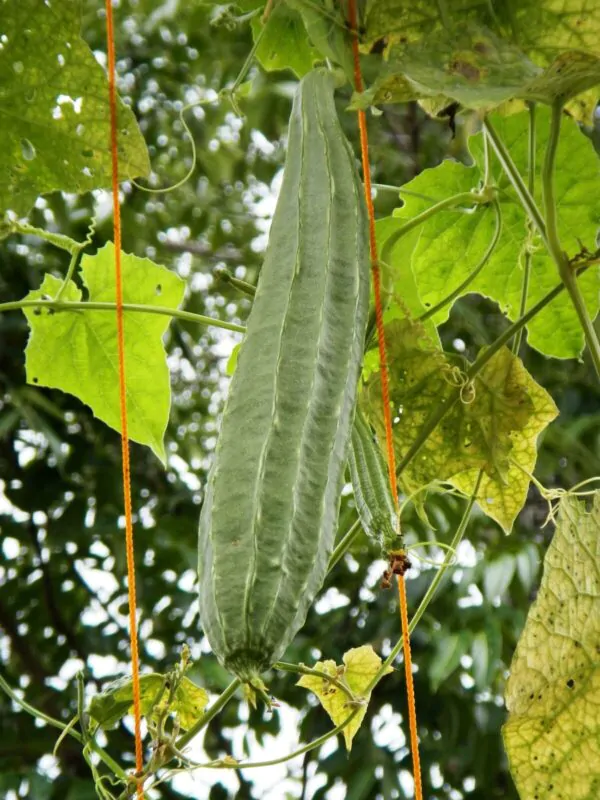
[62,577]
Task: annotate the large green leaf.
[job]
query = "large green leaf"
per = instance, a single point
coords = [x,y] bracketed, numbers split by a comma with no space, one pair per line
[483,53]
[451,244]
[54,112]
[284,42]
[76,351]
[493,427]
[473,66]
[552,736]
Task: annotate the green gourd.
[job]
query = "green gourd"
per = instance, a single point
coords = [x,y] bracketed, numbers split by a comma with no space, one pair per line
[371,486]
[271,506]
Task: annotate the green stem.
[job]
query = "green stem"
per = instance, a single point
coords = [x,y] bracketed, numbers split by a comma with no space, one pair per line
[302,669]
[515,178]
[463,198]
[386,187]
[553,239]
[433,586]
[344,544]
[55,723]
[531,188]
[57,239]
[242,286]
[137,307]
[471,277]
[208,715]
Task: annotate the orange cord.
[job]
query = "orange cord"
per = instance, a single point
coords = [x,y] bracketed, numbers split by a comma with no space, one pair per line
[139,763]
[385,393]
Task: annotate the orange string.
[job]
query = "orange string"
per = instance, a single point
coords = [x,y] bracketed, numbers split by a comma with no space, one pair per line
[385,393]
[123,396]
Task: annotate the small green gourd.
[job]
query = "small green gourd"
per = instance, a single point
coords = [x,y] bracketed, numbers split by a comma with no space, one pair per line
[371,486]
[270,512]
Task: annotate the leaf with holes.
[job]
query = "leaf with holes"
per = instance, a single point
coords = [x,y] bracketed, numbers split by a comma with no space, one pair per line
[54,111]
[361,664]
[552,736]
[76,350]
[470,64]
[557,50]
[116,701]
[494,427]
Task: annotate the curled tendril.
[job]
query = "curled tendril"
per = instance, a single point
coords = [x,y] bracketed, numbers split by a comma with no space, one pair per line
[554,496]
[189,135]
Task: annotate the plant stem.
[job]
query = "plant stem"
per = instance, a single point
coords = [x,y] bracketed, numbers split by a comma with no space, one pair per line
[433,586]
[462,198]
[136,307]
[515,178]
[55,723]
[302,669]
[560,257]
[527,258]
[242,286]
[471,277]
[57,239]
[208,715]
[344,544]
[386,187]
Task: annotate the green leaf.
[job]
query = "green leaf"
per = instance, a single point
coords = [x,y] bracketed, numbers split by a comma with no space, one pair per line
[549,34]
[361,664]
[116,701]
[493,428]
[449,650]
[552,736]
[450,244]
[527,561]
[327,31]
[486,649]
[470,64]
[76,351]
[232,360]
[54,112]
[284,43]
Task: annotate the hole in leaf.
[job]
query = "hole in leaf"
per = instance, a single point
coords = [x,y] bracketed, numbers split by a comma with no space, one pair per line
[35,380]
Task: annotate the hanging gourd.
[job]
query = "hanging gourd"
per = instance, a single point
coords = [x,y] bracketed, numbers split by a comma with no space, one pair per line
[270,511]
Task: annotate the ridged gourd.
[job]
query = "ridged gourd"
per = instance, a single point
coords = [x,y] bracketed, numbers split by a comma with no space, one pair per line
[270,511]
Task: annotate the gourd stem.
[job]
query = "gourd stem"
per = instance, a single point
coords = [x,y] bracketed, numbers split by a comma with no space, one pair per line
[67,305]
[242,286]
[55,723]
[209,714]
[471,277]
[427,598]
[559,256]
[344,543]
[527,257]
[515,178]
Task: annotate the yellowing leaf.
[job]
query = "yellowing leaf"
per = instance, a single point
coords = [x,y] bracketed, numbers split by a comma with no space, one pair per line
[189,704]
[492,426]
[54,112]
[76,351]
[111,705]
[361,664]
[552,736]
